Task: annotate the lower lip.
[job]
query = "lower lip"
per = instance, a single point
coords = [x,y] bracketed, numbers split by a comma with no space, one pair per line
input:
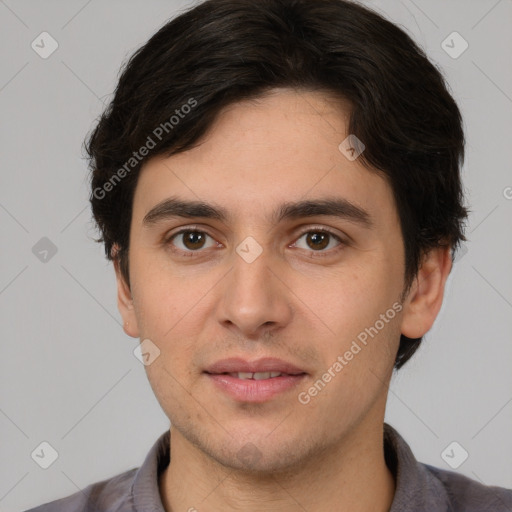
[250,390]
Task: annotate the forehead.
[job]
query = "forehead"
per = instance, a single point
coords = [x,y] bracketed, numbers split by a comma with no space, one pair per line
[262,153]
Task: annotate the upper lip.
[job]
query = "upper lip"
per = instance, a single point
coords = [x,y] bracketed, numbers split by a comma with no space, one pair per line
[265,364]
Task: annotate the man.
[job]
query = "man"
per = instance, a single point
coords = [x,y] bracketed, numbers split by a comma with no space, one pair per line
[278,186]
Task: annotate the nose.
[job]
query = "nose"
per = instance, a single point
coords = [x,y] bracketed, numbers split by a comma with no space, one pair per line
[253,301]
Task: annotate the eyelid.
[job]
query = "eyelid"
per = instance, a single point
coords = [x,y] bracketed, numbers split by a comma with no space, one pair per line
[323,229]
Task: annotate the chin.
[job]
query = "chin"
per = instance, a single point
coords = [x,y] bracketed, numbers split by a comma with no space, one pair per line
[263,457]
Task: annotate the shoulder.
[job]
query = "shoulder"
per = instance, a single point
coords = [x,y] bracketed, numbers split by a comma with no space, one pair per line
[468,495]
[135,489]
[430,488]
[110,495]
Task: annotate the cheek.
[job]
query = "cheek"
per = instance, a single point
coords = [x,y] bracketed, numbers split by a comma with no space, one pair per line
[162,297]
[171,312]
[358,314]
[349,298]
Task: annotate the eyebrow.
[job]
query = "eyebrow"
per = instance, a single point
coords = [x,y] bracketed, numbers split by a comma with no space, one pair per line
[332,207]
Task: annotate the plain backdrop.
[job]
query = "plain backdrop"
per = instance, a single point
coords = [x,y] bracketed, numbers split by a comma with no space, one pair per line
[68,373]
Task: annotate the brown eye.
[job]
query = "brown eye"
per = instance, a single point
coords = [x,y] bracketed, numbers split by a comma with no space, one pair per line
[318,241]
[190,240]
[193,239]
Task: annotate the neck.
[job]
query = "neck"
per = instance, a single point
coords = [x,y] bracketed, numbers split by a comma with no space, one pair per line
[351,476]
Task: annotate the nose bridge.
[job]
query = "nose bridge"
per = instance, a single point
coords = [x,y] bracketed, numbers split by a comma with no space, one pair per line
[252,276]
[252,297]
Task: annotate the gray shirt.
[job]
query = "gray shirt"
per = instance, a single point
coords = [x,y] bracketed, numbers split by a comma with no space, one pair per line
[419,487]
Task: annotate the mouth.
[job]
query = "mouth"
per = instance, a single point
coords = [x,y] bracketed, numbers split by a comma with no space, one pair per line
[256,375]
[257,381]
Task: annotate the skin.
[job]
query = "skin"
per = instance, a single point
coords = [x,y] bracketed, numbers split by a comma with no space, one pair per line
[209,303]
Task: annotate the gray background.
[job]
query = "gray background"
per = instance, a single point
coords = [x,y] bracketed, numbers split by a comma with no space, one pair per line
[68,373]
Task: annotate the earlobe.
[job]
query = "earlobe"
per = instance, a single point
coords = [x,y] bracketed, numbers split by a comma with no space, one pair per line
[425,297]
[125,303]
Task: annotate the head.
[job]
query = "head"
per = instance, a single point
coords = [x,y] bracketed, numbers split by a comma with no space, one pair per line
[243,108]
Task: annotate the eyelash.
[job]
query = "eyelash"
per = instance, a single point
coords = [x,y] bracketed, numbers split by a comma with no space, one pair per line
[318,254]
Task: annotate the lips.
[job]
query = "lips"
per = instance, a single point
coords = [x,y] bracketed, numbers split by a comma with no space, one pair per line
[254,381]
[256,375]
[268,365]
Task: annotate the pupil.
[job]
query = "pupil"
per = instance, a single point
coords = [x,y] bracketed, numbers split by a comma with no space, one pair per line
[319,237]
[194,240]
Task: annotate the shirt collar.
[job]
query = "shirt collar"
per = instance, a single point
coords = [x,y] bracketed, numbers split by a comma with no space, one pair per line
[414,483]
[145,490]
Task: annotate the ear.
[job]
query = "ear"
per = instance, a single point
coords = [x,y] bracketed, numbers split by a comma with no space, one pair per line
[425,298]
[125,301]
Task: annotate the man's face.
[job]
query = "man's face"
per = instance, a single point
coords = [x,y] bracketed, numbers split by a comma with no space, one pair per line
[301,289]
